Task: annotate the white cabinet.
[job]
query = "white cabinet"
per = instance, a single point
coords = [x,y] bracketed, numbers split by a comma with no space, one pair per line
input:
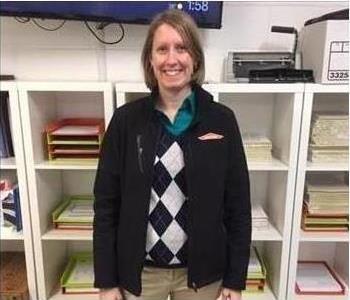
[14,167]
[41,103]
[330,247]
[274,111]
[282,112]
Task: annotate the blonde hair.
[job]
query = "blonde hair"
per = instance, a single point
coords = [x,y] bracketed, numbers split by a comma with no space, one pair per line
[189,32]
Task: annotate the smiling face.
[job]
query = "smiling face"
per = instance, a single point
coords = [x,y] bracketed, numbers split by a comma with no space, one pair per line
[171,61]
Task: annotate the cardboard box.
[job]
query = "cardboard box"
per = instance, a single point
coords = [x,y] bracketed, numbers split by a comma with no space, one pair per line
[325,50]
[13,276]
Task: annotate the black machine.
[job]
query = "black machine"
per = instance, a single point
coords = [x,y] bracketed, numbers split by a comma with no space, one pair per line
[286,74]
[280,76]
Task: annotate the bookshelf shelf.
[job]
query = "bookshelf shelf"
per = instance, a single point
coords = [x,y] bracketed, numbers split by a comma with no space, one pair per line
[68,235]
[323,236]
[57,295]
[8,235]
[274,165]
[46,165]
[270,235]
[327,166]
[8,163]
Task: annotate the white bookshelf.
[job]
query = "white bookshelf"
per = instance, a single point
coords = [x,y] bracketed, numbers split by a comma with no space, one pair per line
[273,110]
[330,247]
[48,182]
[280,111]
[14,168]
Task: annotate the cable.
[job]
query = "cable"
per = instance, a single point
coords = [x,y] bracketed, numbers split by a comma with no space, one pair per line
[22,19]
[49,29]
[102,41]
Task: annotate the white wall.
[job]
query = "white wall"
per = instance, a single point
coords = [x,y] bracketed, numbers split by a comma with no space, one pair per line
[72,53]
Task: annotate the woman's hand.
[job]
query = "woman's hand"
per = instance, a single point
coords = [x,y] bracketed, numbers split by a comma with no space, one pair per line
[228,294]
[111,294]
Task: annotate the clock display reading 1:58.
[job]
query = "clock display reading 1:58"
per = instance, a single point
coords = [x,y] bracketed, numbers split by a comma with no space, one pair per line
[198,5]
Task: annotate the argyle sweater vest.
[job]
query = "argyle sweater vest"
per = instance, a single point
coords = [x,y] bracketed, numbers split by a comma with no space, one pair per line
[166,244]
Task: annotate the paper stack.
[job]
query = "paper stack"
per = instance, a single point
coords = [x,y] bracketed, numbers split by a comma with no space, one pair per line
[326,204]
[78,276]
[13,276]
[74,212]
[75,139]
[256,272]
[329,137]
[317,278]
[257,147]
[260,221]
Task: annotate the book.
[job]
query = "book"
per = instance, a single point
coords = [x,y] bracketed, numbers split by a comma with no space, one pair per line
[316,278]
[78,276]
[6,147]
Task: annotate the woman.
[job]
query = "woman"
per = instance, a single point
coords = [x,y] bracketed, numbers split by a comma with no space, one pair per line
[172,209]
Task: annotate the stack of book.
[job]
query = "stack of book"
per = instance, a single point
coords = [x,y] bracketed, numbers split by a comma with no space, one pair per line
[260,221]
[317,278]
[6,147]
[75,139]
[10,206]
[326,204]
[329,137]
[78,276]
[257,147]
[256,277]
[13,276]
[74,212]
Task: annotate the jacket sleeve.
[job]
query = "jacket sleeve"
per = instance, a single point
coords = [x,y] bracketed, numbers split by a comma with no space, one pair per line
[107,204]
[237,212]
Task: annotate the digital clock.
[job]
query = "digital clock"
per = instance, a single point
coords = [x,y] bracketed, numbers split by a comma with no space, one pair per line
[198,6]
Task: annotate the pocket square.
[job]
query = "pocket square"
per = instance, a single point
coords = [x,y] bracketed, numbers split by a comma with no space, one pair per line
[210,136]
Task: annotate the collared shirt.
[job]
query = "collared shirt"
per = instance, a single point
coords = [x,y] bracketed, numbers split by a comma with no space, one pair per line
[183,118]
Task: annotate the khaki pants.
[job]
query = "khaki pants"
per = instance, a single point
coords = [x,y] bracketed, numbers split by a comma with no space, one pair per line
[158,284]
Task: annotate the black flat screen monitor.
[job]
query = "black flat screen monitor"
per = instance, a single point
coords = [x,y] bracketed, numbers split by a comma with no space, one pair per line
[207,14]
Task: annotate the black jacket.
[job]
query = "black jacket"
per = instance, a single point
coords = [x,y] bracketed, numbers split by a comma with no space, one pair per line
[219,224]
